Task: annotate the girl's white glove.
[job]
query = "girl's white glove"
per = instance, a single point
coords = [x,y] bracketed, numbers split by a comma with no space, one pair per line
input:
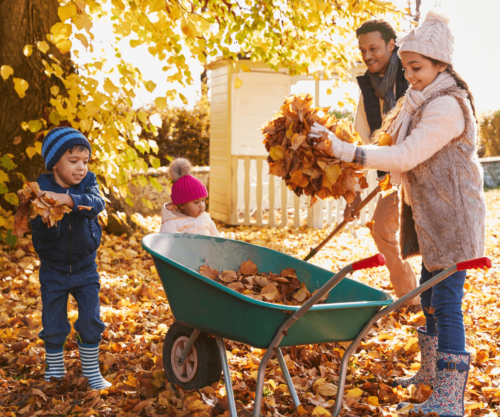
[342,150]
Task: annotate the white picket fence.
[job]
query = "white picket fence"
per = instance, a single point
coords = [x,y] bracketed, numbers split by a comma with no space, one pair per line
[261,199]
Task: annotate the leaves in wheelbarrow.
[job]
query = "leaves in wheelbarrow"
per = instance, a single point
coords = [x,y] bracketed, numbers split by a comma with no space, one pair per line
[208,272]
[307,163]
[284,288]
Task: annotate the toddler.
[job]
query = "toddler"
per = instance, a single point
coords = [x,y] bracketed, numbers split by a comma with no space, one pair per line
[186,213]
[67,254]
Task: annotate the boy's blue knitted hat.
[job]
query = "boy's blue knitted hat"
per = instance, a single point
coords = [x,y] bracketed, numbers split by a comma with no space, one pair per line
[58,141]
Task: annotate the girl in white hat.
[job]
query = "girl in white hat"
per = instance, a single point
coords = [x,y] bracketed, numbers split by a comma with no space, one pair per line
[434,157]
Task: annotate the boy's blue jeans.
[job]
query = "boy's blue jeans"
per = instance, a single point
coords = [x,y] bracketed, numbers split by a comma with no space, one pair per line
[84,286]
[442,306]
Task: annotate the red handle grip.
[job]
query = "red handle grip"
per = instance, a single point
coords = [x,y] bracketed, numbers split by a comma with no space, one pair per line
[371,262]
[474,264]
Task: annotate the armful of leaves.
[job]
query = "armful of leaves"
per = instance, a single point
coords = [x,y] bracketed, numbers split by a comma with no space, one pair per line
[307,162]
[33,203]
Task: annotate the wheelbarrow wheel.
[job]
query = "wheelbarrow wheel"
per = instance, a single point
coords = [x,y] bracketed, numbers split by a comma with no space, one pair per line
[203,365]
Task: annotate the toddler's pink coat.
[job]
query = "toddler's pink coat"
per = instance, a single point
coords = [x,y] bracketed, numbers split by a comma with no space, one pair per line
[174,221]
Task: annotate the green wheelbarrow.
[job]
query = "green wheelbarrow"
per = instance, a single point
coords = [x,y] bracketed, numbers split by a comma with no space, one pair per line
[207,312]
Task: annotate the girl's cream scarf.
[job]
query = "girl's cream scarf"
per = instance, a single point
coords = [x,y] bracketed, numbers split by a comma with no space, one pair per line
[413,101]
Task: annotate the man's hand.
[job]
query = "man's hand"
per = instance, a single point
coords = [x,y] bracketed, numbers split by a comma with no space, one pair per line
[348,217]
[61,198]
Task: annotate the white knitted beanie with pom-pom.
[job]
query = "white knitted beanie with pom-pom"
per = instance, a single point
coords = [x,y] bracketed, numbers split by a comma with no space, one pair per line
[432,39]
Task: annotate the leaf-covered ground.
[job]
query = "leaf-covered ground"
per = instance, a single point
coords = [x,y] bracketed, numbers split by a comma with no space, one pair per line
[137,315]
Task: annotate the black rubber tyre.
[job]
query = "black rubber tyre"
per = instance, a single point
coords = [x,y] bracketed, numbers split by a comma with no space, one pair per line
[206,364]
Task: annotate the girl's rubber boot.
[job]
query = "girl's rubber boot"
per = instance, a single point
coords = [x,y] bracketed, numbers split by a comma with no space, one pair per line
[428,351]
[89,355]
[447,398]
[54,364]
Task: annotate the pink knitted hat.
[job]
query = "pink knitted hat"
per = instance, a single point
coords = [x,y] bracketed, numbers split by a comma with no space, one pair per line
[186,188]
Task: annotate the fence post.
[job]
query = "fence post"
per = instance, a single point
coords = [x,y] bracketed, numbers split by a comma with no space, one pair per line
[272,214]
[258,213]
[296,210]
[284,204]
[246,217]
[234,190]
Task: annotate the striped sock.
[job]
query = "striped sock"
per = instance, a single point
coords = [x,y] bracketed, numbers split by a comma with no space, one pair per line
[54,364]
[89,355]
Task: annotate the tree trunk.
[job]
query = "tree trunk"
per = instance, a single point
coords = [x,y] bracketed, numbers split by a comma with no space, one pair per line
[25,22]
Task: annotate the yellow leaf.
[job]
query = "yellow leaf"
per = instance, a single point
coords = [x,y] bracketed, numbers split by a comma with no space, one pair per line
[331,175]
[28,50]
[277,152]
[6,71]
[161,102]
[34,125]
[30,151]
[24,126]
[54,90]
[83,39]
[301,410]
[373,401]
[109,87]
[66,12]
[237,83]
[38,147]
[20,86]
[385,140]
[60,31]
[150,86]
[411,342]
[354,393]
[184,99]
[64,46]
[189,28]
[320,411]
[473,405]
[43,46]
[244,68]
[385,183]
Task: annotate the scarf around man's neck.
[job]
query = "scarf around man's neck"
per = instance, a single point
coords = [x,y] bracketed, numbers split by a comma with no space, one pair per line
[384,86]
[413,101]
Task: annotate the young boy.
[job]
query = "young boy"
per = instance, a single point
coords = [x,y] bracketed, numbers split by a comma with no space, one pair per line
[67,254]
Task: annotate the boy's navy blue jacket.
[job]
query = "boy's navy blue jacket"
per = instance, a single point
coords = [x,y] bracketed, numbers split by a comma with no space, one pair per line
[72,244]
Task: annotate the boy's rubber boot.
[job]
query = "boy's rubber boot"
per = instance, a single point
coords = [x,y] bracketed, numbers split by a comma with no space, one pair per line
[428,351]
[54,364]
[447,398]
[89,355]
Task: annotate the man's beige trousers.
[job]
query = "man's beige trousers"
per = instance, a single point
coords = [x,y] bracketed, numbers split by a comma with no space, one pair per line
[385,233]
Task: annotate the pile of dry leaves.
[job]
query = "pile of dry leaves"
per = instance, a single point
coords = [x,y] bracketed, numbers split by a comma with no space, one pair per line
[308,164]
[33,202]
[137,316]
[283,288]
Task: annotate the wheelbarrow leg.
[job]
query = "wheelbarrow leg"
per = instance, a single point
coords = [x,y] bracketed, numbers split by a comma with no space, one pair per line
[227,376]
[288,378]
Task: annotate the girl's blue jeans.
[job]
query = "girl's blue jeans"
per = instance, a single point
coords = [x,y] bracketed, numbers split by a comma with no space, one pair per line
[84,286]
[442,306]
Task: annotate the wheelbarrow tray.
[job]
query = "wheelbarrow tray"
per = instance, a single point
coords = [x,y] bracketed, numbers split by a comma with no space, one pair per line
[199,302]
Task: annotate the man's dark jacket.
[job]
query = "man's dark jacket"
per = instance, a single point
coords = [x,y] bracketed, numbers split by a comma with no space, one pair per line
[71,245]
